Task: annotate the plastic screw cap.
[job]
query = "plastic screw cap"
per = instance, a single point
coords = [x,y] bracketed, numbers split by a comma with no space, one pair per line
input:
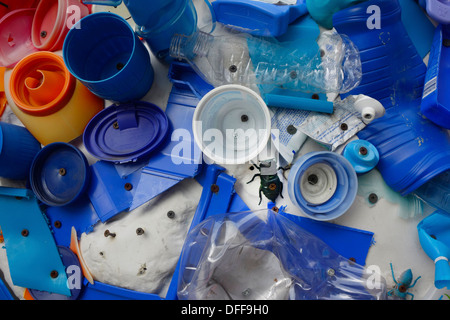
[362,155]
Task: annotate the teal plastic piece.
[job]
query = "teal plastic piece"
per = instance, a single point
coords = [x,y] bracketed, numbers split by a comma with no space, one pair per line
[33,257]
[322,10]
[434,236]
[291,102]
[362,155]
[419,28]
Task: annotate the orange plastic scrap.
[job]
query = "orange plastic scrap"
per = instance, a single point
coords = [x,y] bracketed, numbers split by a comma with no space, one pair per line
[1,236]
[2,79]
[27,295]
[2,91]
[74,246]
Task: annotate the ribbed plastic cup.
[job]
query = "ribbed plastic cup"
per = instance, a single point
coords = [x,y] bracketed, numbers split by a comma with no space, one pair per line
[231,124]
[104,53]
[52,22]
[18,148]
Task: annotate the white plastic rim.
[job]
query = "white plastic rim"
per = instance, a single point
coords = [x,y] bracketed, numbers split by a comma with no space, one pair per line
[231,124]
[318,183]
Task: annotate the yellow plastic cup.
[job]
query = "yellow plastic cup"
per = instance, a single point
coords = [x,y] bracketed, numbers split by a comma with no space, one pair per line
[48,100]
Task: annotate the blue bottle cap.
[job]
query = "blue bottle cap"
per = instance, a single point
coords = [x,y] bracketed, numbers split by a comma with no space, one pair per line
[322,185]
[59,174]
[362,155]
[126,132]
[73,270]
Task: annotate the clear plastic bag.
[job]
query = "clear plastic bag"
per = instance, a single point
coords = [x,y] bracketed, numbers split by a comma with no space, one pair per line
[263,255]
[228,57]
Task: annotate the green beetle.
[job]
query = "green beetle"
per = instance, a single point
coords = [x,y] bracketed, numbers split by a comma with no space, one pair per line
[271,185]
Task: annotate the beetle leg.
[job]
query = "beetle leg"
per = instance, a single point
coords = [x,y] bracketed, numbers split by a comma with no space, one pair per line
[256,175]
[281,190]
[260,196]
[415,282]
[412,296]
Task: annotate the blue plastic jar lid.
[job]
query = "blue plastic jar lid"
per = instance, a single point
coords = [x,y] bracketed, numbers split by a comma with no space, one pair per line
[126,132]
[362,155]
[333,185]
[59,174]
[73,269]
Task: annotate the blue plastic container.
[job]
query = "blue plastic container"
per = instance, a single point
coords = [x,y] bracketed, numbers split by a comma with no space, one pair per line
[18,148]
[412,149]
[436,95]
[105,54]
[59,174]
[158,20]
[323,185]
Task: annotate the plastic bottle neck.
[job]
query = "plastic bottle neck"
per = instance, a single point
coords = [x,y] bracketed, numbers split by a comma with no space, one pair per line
[187,47]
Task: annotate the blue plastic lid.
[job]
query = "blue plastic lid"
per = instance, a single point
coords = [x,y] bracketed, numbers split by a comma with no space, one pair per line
[126,132]
[322,185]
[362,155]
[74,274]
[59,174]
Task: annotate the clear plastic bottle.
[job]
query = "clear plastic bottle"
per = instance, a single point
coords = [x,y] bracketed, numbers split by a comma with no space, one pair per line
[240,58]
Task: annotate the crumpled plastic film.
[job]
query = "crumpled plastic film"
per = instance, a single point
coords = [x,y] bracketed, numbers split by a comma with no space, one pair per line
[260,255]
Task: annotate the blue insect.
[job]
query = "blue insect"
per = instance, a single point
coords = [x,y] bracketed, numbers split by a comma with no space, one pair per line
[403,284]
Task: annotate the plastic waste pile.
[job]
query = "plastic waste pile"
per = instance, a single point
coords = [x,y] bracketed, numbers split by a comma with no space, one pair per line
[285,113]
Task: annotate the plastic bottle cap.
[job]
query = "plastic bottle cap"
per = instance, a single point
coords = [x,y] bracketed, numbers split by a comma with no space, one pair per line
[41,84]
[362,155]
[59,174]
[15,36]
[323,185]
[231,124]
[126,132]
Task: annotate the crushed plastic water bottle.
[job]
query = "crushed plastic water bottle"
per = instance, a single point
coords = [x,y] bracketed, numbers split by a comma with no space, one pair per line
[240,58]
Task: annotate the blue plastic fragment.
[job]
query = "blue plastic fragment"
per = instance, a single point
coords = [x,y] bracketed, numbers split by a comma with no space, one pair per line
[33,257]
[80,214]
[108,192]
[351,243]
[258,18]
[418,26]
[4,292]
[74,275]
[434,237]
[436,96]
[103,291]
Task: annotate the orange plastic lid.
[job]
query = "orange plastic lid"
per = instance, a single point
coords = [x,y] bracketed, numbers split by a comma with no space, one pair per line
[40,83]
